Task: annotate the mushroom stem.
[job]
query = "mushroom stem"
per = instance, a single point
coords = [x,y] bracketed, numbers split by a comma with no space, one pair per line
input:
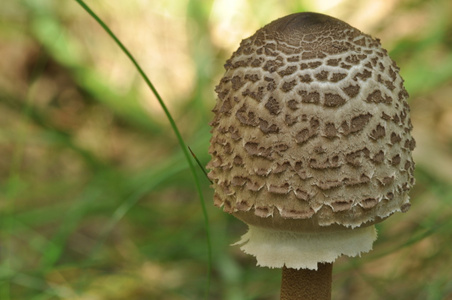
[305,284]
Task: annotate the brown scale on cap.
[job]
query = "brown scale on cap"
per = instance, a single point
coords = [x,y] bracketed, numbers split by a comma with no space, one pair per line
[311,122]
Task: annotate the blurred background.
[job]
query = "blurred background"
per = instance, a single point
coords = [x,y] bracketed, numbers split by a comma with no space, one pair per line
[96,199]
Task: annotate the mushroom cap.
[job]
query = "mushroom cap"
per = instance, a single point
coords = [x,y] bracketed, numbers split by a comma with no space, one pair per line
[311,129]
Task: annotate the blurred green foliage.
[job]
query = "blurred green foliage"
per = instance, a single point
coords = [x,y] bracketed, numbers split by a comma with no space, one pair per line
[96,200]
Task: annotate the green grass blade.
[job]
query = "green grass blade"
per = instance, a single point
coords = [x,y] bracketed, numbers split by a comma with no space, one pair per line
[173,126]
[199,164]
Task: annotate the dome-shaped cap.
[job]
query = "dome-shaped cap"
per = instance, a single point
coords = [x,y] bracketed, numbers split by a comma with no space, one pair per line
[311,127]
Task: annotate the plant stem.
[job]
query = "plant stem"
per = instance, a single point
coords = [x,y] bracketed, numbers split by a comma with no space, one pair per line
[173,126]
[307,284]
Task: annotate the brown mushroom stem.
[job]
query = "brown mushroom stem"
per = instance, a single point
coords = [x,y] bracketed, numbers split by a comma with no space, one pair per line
[305,284]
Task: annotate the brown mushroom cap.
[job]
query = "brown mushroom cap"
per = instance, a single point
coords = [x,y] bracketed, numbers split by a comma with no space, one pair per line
[311,122]
[311,129]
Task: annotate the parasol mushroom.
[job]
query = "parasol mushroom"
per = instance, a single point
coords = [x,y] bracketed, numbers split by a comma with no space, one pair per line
[310,146]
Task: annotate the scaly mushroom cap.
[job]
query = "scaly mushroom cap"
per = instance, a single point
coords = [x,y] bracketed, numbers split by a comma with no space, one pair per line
[311,127]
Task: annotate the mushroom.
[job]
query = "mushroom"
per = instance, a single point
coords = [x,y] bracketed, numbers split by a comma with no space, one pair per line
[311,145]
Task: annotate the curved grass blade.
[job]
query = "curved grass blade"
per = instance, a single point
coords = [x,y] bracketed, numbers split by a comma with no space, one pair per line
[173,126]
[199,164]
